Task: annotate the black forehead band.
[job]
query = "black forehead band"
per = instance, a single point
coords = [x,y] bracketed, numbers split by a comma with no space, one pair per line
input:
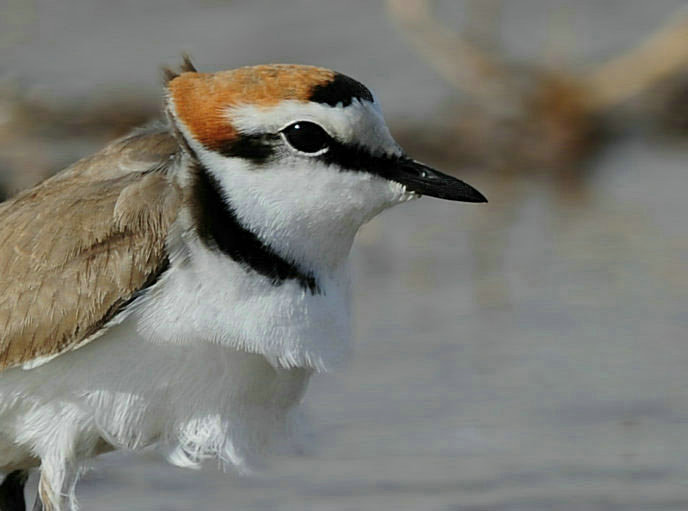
[341,89]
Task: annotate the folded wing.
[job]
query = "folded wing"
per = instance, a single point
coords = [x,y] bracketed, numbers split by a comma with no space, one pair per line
[77,248]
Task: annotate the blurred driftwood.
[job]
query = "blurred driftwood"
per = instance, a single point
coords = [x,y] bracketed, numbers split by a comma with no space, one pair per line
[526,123]
[38,138]
[529,117]
[669,106]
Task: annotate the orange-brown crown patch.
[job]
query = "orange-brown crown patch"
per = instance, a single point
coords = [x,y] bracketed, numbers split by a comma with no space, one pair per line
[201,99]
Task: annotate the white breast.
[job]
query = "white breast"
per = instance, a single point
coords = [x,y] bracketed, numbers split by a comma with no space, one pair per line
[195,400]
[210,362]
[212,298]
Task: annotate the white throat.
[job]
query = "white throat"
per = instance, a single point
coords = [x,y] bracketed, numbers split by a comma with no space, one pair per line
[306,212]
[307,215]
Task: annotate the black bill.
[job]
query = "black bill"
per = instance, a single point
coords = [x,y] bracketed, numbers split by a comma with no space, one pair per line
[414,175]
[424,180]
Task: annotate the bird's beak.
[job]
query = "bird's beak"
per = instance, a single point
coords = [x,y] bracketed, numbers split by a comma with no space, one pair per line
[424,180]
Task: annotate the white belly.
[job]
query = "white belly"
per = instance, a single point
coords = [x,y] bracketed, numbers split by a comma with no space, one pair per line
[209,362]
[194,400]
[210,296]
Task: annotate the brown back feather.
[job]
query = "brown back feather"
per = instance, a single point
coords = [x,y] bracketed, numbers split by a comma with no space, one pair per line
[78,246]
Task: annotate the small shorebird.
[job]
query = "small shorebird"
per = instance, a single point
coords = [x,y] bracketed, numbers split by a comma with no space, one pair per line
[179,287]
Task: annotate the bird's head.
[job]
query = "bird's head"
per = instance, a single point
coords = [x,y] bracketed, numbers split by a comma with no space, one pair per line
[298,151]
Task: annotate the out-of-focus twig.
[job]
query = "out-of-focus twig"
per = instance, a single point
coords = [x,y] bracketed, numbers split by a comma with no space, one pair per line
[481,73]
[661,55]
[458,61]
[529,116]
[526,122]
[39,138]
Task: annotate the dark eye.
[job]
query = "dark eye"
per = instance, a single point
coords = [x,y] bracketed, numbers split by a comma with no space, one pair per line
[306,136]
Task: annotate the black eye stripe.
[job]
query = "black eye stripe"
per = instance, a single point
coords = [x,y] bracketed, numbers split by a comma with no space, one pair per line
[359,158]
[255,148]
[261,148]
[309,137]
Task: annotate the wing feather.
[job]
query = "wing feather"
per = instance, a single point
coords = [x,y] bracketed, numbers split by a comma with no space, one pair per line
[79,246]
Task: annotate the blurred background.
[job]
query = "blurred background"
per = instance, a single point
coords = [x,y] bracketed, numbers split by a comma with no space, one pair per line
[528,354]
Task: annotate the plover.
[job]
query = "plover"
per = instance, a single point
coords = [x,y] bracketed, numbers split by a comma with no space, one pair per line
[180,287]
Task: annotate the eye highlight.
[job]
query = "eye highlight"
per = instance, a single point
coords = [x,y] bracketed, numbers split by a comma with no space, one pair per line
[306,137]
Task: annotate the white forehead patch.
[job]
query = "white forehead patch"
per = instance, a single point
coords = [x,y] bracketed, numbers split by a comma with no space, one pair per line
[361,122]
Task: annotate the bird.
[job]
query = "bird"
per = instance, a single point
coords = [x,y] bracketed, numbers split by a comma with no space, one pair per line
[179,288]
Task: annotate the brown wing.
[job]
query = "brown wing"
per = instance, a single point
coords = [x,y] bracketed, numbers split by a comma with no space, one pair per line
[78,246]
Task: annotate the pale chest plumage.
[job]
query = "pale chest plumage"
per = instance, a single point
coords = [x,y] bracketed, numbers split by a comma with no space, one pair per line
[209,361]
[208,297]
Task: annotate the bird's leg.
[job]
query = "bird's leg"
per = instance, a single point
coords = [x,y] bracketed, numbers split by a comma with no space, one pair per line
[38,503]
[12,491]
[42,495]
[47,498]
[56,486]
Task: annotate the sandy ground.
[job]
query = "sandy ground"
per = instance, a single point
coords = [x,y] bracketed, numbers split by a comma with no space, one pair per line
[524,355]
